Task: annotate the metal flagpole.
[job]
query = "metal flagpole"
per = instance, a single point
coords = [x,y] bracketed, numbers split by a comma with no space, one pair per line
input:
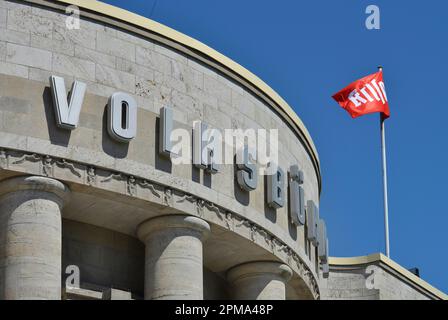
[383,154]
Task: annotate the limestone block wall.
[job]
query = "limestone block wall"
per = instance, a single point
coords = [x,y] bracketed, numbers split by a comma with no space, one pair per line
[108,259]
[392,287]
[35,44]
[374,277]
[348,285]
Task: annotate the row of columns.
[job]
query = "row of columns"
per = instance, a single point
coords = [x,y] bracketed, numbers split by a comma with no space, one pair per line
[31,246]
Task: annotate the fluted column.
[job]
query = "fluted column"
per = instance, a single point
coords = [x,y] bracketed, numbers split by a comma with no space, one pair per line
[31,237]
[260,280]
[173,257]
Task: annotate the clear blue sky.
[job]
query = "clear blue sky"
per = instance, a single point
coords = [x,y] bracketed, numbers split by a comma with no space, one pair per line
[308,50]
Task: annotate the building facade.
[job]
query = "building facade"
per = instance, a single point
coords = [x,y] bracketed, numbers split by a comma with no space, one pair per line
[374,277]
[91,206]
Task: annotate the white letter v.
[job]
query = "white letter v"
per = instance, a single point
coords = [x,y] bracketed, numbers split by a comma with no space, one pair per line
[67,113]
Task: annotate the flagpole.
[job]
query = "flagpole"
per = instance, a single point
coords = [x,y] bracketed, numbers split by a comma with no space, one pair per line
[386,205]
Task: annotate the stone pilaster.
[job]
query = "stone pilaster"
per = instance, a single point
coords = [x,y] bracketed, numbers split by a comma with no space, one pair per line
[31,237]
[173,257]
[260,280]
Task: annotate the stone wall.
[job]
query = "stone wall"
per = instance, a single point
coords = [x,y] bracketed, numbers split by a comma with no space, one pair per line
[108,259]
[347,285]
[374,281]
[35,44]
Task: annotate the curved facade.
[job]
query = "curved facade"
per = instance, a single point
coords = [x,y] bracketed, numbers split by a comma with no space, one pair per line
[120,212]
[93,203]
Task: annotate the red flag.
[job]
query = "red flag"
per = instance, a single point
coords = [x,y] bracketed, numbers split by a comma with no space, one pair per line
[366,95]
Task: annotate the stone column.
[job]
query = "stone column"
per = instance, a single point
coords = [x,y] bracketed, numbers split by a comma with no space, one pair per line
[31,237]
[261,280]
[173,257]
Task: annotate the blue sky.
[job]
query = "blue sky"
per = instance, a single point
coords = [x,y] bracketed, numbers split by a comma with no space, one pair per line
[308,50]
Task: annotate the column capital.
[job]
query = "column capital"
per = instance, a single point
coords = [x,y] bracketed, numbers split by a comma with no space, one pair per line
[192,223]
[260,268]
[35,183]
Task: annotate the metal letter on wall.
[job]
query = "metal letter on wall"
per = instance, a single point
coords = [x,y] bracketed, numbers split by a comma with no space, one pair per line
[247,176]
[212,149]
[122,117]
[312,218]
[322,248]
[276,189]
[212,167]
[326,263]
[203,151]
[165,129]
[296,196]
[67,112]
[199,159]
